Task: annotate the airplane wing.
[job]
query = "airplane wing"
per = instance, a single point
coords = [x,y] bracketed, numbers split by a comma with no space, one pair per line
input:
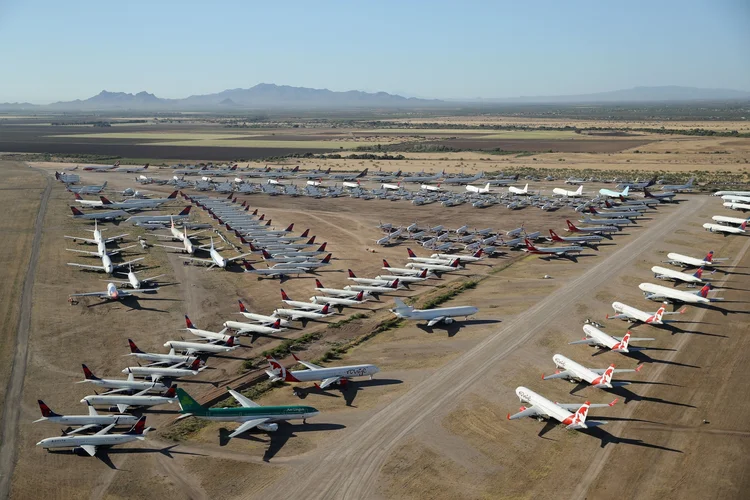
[132,292]
[87,240]
[246,426]
[113,238]
[82,251]
[562,374]
[527,412]
[435,321]
[124,264]
[106,429]
[202,261]
[246,402]
[182,248]
[600,371]
[577,406]
[329,381]
[309,365]
[122,407]
[588,341]
[90,449]
[153,278]
[119,250]
[618,316]
[90,294]
[230,259]
[82,429]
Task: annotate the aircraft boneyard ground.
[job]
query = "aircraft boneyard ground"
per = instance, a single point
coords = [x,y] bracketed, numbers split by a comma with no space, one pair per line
[432,423]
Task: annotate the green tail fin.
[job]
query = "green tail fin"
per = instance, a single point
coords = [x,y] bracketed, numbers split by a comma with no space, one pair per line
[188,404]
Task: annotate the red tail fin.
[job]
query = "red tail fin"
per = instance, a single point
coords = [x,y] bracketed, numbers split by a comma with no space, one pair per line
[242,306]
[290,228]
[186,210]
[139,426]
[105,201]
[196,364]
[133,347]
[75,211]
[311,241]
[360,296]
[704,291]
[351,274]
[189,323]
[276,324]
[323,247]
[318,284]
[699,273]
[284,296]
[268,223]
[478,253]
[423,274]
[385,263]
[394,285]
[571,227]
[554,236]
[324,310]
[232,342]
[77,196]
[326,260]
[248,266]
[710,256]
[265,254]
[171,391]
[262,217]
[411,254]
[88,374]
[255,212]
[305,233]
[46,412]
[173,195]
[529,245]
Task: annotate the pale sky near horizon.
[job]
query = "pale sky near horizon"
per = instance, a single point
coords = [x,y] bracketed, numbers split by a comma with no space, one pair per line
[55,50]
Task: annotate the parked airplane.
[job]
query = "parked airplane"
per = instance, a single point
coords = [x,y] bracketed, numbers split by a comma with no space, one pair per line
[398,270]
[664,197]
[597,338]
[729,220]
[249,413]
[86,422]
[155,359]
[132,170]
[611,214]
[575,181]
[453,266]
[307,264]
[661,293]
[479,190]
[281,273]
[108,215]
[432,316]
[305,314]
[591,229]
[541,407]
[156,373]
[216,259]
[553,251]
[102,438]
[212,337]
[519,191]
[125,401]
[678,188]
[367,281]
[334,291]
[261,318]
[429,260]
[101,168]
[606,222]
[737,206]
[254,328]
[200,348]
[626,312]
[664,273]
[137,283]
[118,385]
[374,289]
[184,214]
[569,194]
[615,194]
[113,293]
[592,239]
[300,305]
[597,377]
[725,230]
[87,189]
[685,261]
[327,376]
[107,265]
[458,179]
[339,301]
[475,257]
[636,184]
[97,236]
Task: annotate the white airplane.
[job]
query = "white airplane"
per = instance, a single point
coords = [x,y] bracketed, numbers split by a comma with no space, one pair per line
[453,266]
[390,236]
[298,304]
[255,328]
[402,271]
[432,316]
[688,186]
[101,168]
[339,301]
[519,191]
[199,348]
[101,250]
[552,251]
[102,438]
[116,385]
[184,214]
[664,273]
[108,215]
[628,313]
[574,372]
[113,293]
[661,293]
[132,170]
[137,283]
[427,187]
[124,401]
[737,206]
[275,272]
[590,239]
[597,338]
[154,358]
[107,265]
[388,278]
[367,281]
[212,337]
[725,230]
[87,422]
[302,314]
[307,264]
[477,189]
[97,236]
[429,260]
[570,194]
[216,260]
[593,230]
[729,220]
[261,318]
[326,376]
[476,256]
[615,194]
[685,261]
[542,408]
[157,372]
[338,292]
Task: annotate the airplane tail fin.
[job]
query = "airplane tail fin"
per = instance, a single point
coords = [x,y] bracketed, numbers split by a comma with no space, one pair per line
[323,247]
[580,189]
[284,296]
[318,284]
[305,233]
[529,246]
[186,210]
[385,263]
[242,306]
[290,228]
[710,256]
[133,348]
[88,374]
[276,324]
[75,211]
[625,191]
[311,241]
[660,313]
[699,273]
[173,195]
[46,412]
[554,236]
[351,273]
[188,323]
[411,254]
[571,226]
[743,226]
[194,366]
[400,305]
[704,291]
[327,259]
[139,427]
[593,210]
[580,416]
[322,311]
[265,254]
[105,200]
[248,266]
[478,253]
[607,376]
[623,344]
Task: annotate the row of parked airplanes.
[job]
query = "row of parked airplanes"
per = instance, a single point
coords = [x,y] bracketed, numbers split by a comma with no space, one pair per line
[574,416]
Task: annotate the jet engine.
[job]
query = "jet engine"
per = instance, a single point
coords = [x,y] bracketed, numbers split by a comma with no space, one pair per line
[268,427]
[448,321]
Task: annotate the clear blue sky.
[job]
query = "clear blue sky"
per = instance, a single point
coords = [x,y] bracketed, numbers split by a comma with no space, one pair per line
[58,50]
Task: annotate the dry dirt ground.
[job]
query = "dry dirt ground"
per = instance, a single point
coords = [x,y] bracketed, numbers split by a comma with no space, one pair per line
[431,424]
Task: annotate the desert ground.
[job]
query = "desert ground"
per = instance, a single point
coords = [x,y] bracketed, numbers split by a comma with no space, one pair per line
[432,423]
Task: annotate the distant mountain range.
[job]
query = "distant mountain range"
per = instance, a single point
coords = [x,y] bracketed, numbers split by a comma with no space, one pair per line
[270,96]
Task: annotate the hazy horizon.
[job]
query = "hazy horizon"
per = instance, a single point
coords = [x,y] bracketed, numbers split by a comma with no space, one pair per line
[436,50]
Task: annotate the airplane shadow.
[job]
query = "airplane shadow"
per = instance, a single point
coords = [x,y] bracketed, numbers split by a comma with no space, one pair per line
[103,454]
[348,391]
[642,357]
[607,438]
[627,395]
[453,328]
[277,439]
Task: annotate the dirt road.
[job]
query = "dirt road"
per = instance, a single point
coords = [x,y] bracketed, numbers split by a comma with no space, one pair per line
[351,466]
[12,407]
